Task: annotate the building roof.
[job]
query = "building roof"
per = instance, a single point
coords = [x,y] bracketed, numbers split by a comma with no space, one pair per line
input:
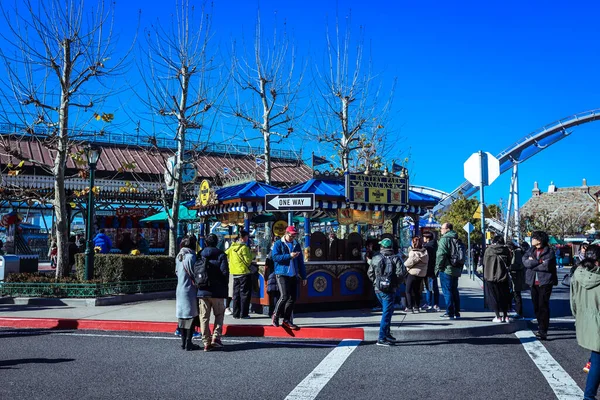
[152,161]
[577,201]
[246,191]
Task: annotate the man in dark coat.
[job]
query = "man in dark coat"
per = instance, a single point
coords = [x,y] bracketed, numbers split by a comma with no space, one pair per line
[540,275]
[431,284]
[212,297]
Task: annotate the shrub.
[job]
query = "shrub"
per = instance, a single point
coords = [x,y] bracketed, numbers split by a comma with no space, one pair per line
[123,267]
[40,277]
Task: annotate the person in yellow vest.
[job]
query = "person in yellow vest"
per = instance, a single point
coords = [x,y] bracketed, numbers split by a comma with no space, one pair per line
[240,259]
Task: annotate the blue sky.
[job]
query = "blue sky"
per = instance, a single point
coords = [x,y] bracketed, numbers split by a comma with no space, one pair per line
[470,75]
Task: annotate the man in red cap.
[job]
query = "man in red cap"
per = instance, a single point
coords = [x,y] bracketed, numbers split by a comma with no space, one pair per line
[289,264]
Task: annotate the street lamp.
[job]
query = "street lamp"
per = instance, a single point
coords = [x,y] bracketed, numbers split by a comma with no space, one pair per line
[92,154]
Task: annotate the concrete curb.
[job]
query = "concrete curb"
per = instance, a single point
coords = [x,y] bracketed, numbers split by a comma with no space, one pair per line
[169,327]
[366,334]
[88,302]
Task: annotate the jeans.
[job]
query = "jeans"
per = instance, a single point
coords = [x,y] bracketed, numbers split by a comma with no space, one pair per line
[288,287]
[242,292]
[451,296]
[432,292]
[593,379]
[218,309]
[387,302]
[540,296]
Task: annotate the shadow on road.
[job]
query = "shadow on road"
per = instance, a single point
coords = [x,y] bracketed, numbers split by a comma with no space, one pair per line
[7,364]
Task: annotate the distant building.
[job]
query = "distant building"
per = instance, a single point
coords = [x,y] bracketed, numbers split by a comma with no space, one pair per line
[568,210]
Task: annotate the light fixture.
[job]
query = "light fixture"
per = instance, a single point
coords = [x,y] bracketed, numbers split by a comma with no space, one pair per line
[93,155]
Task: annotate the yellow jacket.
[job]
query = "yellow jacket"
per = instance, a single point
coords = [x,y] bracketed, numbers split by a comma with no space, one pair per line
[239,257]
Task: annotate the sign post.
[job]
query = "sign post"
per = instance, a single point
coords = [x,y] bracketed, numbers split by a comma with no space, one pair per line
[481,169]
[469,228]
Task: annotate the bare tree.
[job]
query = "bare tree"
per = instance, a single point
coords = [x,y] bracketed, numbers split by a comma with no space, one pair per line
[273,85]
[57,55]
[352,112]
[181,86]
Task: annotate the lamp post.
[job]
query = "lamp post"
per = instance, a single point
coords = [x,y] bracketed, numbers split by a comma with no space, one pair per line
[92,154]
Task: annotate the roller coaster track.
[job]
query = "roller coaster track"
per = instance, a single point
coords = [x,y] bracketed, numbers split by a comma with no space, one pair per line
[526,148]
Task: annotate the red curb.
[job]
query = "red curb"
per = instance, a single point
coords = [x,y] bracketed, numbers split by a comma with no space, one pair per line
[168,327]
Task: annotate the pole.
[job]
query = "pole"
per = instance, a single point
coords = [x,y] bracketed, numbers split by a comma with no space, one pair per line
[483,169]
[471,274]
[516,202]
[89,251]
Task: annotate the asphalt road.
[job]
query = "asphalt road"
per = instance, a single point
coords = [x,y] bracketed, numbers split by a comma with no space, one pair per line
[101,365]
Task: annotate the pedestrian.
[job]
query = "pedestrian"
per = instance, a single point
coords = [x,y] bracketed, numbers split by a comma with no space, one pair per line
[272,287]
[186,303]
[496,264]
[371,248]
[416,265]
[386,271]
[212,297]
[517,278]
[585,298]
[102,241]
[432,290]
[80,242]
[73,249]
[448,274]
[127,244]
[559,257]
[240,259]
[53,254]
[540,275]
[142,244]
[289,265]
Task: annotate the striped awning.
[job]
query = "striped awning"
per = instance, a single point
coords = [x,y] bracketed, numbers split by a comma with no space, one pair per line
[232,207]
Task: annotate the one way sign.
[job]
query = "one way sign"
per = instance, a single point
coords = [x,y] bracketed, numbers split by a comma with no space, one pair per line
[290,202]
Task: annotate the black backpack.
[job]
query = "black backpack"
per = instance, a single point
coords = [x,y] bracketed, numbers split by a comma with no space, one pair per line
[201,272]
[457,254]
[385,280]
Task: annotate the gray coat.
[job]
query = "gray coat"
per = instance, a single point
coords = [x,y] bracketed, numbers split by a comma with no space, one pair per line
[186,304]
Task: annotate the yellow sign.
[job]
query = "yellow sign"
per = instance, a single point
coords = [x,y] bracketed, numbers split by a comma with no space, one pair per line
[204,192]
[347,216]
[486,212]
[233,218]
[279,228]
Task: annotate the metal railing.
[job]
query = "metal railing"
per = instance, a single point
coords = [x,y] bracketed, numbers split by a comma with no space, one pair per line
[143,141]
[78,290]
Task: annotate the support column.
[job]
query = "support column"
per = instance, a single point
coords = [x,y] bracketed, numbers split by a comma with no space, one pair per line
[306,230]
[509,205]
[516,202]
[202,233]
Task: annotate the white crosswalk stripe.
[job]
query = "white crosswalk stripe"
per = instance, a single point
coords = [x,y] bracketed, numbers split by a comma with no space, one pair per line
[560,381]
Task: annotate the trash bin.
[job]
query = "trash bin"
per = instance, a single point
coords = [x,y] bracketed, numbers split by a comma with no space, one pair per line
[9,264]
[28,263]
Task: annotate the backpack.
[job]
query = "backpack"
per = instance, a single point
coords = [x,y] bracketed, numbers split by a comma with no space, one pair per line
[457,254]
[201,272]
[385,279]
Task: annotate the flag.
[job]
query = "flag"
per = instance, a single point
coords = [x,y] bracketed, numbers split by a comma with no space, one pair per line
[316,161]
[397,167]
[226,171]
[259,161]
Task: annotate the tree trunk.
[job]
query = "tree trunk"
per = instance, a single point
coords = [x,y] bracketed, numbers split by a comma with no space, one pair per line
[177,169]
[346,140]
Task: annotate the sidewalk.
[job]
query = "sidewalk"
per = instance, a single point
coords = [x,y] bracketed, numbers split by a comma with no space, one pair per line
[158,316]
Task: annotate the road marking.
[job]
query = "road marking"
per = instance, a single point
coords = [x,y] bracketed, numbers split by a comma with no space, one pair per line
[226,340]
[310,387]
[560,381]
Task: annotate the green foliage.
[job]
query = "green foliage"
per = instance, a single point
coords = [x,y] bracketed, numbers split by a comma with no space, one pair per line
[459,213]
[119,267]
[40,277]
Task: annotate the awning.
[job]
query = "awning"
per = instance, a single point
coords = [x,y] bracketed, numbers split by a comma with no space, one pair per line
[184,215]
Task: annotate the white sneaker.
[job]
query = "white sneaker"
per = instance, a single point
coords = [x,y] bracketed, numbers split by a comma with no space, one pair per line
[436,308]
[496,319]
[228,311]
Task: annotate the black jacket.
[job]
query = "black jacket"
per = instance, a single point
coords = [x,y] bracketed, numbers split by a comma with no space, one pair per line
[431,248]
[218,273]
[544,267]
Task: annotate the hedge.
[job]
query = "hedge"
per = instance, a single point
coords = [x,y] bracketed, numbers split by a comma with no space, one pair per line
[120,267]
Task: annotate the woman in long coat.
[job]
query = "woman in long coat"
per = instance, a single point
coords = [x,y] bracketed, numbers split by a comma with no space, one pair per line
[496,262]
[517,277]
[186,303]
